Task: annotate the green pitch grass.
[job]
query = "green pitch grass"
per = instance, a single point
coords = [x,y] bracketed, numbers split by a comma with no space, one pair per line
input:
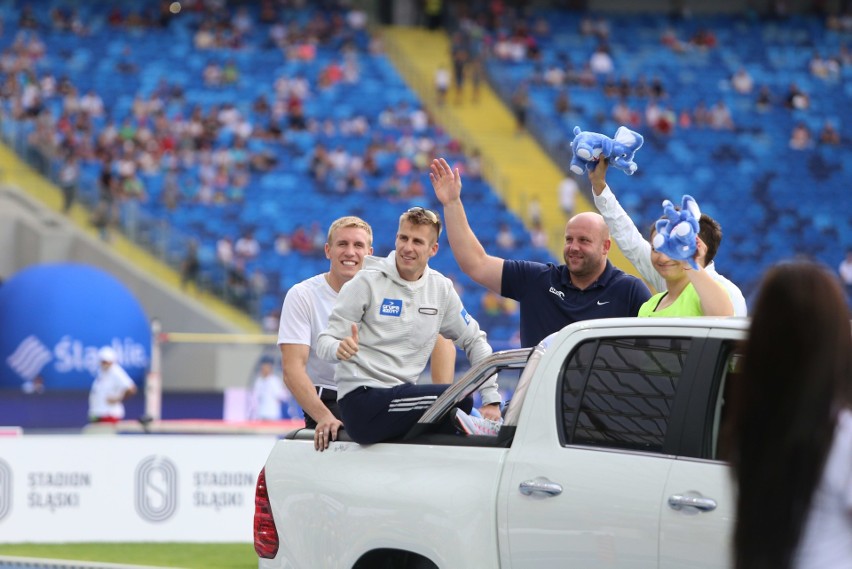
[184,555]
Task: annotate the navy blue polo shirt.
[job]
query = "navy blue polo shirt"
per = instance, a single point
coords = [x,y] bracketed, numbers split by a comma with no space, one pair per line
[549,301]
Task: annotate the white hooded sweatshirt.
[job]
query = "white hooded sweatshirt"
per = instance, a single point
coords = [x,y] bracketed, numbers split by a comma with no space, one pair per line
[398,325]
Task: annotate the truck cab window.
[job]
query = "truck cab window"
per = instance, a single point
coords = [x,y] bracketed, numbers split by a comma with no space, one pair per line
[618,393]
[731,372]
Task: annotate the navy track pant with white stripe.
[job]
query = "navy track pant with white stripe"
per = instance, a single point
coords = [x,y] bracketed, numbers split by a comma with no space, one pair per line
[372,414]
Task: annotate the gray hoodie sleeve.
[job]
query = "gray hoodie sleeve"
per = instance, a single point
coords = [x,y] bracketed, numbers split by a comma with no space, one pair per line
[348,309]
[465,332]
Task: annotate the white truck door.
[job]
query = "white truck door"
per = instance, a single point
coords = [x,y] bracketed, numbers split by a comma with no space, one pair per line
[699,511]
[586,473]
[575,507]
[697,517]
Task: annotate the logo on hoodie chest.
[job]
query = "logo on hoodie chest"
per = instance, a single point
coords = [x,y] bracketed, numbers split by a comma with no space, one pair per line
[391,307]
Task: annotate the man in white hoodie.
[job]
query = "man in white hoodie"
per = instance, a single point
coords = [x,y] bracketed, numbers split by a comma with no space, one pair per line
[383,327]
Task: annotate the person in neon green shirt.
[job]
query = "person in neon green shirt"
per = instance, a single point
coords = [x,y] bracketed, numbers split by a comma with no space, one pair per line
[691,292]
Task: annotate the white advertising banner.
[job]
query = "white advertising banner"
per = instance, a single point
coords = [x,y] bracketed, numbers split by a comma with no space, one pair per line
[129,488]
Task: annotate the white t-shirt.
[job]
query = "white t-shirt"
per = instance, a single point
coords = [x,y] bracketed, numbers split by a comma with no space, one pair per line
[827,539]
[247,247]
[568,188]
[109,384]
[442,79]
[267,395]
[304,315]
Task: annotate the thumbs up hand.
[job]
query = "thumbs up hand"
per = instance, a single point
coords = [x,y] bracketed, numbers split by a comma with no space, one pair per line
[348,346]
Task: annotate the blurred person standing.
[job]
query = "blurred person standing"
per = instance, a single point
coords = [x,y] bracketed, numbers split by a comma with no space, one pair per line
[442,84]
[111,388]
[190,266]
[520,104]
[568,189]
[433,10]
[789,428]
[267,394]
[459,58]
[69,175]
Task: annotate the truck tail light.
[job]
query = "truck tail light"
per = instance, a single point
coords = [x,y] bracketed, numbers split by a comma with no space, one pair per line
[265,533]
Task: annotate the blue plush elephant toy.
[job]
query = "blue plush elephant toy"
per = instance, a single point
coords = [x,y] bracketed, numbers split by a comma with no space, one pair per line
[677,231]
[588,147]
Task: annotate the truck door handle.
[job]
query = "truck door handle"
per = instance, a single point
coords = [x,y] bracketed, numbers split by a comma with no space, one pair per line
[680,501]
[540,485]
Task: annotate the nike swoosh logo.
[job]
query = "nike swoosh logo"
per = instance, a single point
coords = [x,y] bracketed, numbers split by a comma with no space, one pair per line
[602,303]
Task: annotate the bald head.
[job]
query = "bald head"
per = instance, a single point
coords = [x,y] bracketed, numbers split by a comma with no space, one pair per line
[586,246]
[591,222]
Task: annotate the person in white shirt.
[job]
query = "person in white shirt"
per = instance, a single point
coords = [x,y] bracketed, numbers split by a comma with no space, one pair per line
[267,394]
[638,250]
[568,189]
[247,247]
[442,84]
[601,62]
[112,386]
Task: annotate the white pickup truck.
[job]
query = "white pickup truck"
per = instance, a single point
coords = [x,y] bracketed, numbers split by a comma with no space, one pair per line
[608,458]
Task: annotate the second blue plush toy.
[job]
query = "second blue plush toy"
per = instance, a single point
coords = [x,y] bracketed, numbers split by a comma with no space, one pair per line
[588,147]
[678,230]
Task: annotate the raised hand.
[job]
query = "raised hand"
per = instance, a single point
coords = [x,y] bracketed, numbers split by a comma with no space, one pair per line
[446,181]
[677,231]
[597,175]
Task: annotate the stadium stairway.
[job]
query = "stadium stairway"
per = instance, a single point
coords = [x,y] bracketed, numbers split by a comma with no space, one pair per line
[516,166]
[17,174]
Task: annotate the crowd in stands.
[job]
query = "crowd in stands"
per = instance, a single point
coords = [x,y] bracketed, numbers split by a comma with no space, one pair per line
[232,161]
[744,111]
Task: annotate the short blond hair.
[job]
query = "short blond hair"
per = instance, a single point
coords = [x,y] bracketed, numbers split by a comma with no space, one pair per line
[350,221]
[422,216]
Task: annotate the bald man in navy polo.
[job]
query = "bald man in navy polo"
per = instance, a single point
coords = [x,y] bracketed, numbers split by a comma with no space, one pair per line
[551,296]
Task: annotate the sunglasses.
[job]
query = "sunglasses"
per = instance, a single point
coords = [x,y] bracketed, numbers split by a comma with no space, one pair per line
[418,214]
[427,213]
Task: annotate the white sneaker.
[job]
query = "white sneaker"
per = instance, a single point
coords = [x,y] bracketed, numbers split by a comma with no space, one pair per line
[476,425]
